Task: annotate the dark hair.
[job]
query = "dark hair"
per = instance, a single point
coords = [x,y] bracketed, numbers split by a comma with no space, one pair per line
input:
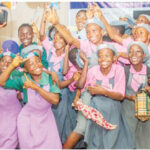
[82,10]
[107,38]
[72,55]
[50,30]
[25,25]
[120,28]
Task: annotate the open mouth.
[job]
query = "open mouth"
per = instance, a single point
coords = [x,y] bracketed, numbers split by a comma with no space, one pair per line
[3,69]
[134,59]
[81,25]
[92,39]
[38,70]
[58,45]
[104,63]
[26,41]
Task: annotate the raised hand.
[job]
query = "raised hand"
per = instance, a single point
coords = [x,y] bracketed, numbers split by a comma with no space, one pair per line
[90,11]
[52,16]
[83,56]
[54,76]
[29,84]
[18,60]
[97,10]
[76,75]
[35,29]
[46,5]
[67,47]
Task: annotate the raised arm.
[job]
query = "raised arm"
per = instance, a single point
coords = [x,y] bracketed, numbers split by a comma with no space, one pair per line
[36,33]
[81,82]
[43,23]
[52,98]
[66,61]
[65,83]
[52,17]
[111,33]
[5,75]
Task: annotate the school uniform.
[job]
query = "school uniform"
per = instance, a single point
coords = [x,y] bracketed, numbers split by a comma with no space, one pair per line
[140,130]
[96,136]
[9,110]
[64,108]
[80,34]
[36,123]
[44,55]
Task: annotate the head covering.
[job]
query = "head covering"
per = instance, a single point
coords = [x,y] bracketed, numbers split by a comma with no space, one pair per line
[30,48]
[29,55]
[119,23]
[52,32]
[125,24]
[79,61]
[146,26]
[10,45]
[109,46]
[95,20]
[147,16]
[143,46]
[7,54]
[92,60]
[131,20]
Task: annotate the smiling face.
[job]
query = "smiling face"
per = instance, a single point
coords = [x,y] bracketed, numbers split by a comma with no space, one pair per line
[25,35]
[141,34]
[94,33]
[33,66]
[136,54]
[105,58]
[58,41]
[81,20]
[142,19]
[5,61]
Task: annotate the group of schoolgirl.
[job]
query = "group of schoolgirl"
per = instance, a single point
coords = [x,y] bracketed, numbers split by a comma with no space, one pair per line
[103,72]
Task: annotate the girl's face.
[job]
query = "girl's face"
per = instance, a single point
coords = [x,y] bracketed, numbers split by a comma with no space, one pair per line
[26,36]
[81,20]
[105,58]
[142,19]
[5,61]
[136,54]
[141,34]
[94,33]
[34,66]
[58,41]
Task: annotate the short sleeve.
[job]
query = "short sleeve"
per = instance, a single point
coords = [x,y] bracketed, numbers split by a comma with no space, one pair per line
[47,44]
[44,59]
[120,80]
[17,73]
[16,83]
[53,88]
[126,42]
[84,45]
